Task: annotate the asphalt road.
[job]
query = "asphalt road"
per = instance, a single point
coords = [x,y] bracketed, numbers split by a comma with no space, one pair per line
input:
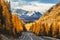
[27,36]
[31,36]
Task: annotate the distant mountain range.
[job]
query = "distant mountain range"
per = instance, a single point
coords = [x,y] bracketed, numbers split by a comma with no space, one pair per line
[28,16]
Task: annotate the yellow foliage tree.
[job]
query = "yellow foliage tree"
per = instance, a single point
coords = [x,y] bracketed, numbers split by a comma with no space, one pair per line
[49,23]
[9,23]
[17,24]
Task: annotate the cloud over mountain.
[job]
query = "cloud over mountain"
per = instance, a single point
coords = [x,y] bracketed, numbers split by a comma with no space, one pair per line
[31,6]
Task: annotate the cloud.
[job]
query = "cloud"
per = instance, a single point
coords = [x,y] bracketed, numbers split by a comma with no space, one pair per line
[14,4]
[41,8]
[18,3]
[31,6]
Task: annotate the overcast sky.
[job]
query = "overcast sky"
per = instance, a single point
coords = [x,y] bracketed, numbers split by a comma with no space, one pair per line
[33,5]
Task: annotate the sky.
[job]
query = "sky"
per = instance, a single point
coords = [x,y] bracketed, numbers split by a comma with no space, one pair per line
[33,5]
[44,1]
[41,1]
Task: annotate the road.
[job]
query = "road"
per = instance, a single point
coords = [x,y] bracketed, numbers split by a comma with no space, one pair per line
[31,36]
[27,36]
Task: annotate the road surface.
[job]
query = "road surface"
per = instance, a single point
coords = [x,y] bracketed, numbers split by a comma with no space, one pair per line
[27,36]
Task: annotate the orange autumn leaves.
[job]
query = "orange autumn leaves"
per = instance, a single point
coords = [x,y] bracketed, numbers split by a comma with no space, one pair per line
[48,24]
[46,29]
[17,24]
[9,22]
[5,15]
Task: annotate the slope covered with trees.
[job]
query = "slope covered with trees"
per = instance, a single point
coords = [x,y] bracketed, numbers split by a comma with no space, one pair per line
[49,23]
[17,24]
[5,16]
[9,24]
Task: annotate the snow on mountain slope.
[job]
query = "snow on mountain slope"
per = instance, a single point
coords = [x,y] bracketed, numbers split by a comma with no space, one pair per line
[28,16]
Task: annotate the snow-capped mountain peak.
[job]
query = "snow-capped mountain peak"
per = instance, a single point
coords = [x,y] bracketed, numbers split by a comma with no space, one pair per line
[28,16]
[30,13]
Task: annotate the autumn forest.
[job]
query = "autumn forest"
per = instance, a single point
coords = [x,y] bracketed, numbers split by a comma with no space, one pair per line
[47,25]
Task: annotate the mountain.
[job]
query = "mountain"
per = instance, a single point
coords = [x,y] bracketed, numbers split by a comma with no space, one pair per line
[36,15]
[28,16]
[48,24]
[33,17]
[20,11]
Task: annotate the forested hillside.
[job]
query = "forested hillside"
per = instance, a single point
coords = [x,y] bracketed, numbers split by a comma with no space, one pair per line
[49,23]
